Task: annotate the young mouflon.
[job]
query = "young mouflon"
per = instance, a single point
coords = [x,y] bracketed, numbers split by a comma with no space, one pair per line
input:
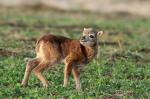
[51,49]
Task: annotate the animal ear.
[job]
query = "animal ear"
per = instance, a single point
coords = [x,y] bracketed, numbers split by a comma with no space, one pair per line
[100,33]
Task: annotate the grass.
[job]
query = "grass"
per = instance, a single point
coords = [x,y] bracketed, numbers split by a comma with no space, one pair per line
[116,73]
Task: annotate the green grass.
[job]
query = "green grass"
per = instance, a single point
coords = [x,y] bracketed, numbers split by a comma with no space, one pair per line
[114,74]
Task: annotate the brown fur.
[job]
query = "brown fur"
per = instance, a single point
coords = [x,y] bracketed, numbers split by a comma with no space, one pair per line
[51,49]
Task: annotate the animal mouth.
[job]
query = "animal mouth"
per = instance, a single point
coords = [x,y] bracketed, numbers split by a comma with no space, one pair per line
[86,43]
[82,40]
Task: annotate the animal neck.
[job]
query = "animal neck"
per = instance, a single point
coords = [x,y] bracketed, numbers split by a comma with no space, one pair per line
[90,51]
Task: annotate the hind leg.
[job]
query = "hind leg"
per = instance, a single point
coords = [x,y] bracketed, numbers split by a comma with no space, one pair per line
[37,71]
[29,67]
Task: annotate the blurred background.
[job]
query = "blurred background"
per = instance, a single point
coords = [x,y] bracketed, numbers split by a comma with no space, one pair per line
[122,68]
[140,7]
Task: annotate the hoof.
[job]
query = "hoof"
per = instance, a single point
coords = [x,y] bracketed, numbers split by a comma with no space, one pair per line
[23,85]
[78,87]
[64,85]
[45,85]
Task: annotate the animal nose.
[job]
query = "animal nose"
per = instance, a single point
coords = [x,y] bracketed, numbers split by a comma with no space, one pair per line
[83,38]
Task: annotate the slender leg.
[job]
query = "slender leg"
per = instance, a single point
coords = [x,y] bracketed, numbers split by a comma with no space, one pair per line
[76,75]
[67,72]
[29,67]
[37,71]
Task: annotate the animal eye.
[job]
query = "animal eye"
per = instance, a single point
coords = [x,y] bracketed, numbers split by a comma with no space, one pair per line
[91,36]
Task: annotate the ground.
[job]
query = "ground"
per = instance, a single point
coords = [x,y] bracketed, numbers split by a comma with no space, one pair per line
[121,70]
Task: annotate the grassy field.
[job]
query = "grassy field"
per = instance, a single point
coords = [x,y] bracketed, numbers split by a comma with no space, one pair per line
[122,70]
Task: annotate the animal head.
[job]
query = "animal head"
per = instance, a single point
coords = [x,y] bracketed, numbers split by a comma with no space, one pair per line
[90,37]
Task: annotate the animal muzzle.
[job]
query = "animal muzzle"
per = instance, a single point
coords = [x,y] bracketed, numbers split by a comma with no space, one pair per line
[83,39]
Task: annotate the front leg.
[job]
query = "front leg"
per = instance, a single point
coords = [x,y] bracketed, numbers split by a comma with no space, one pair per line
[67,71]
[76,75]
